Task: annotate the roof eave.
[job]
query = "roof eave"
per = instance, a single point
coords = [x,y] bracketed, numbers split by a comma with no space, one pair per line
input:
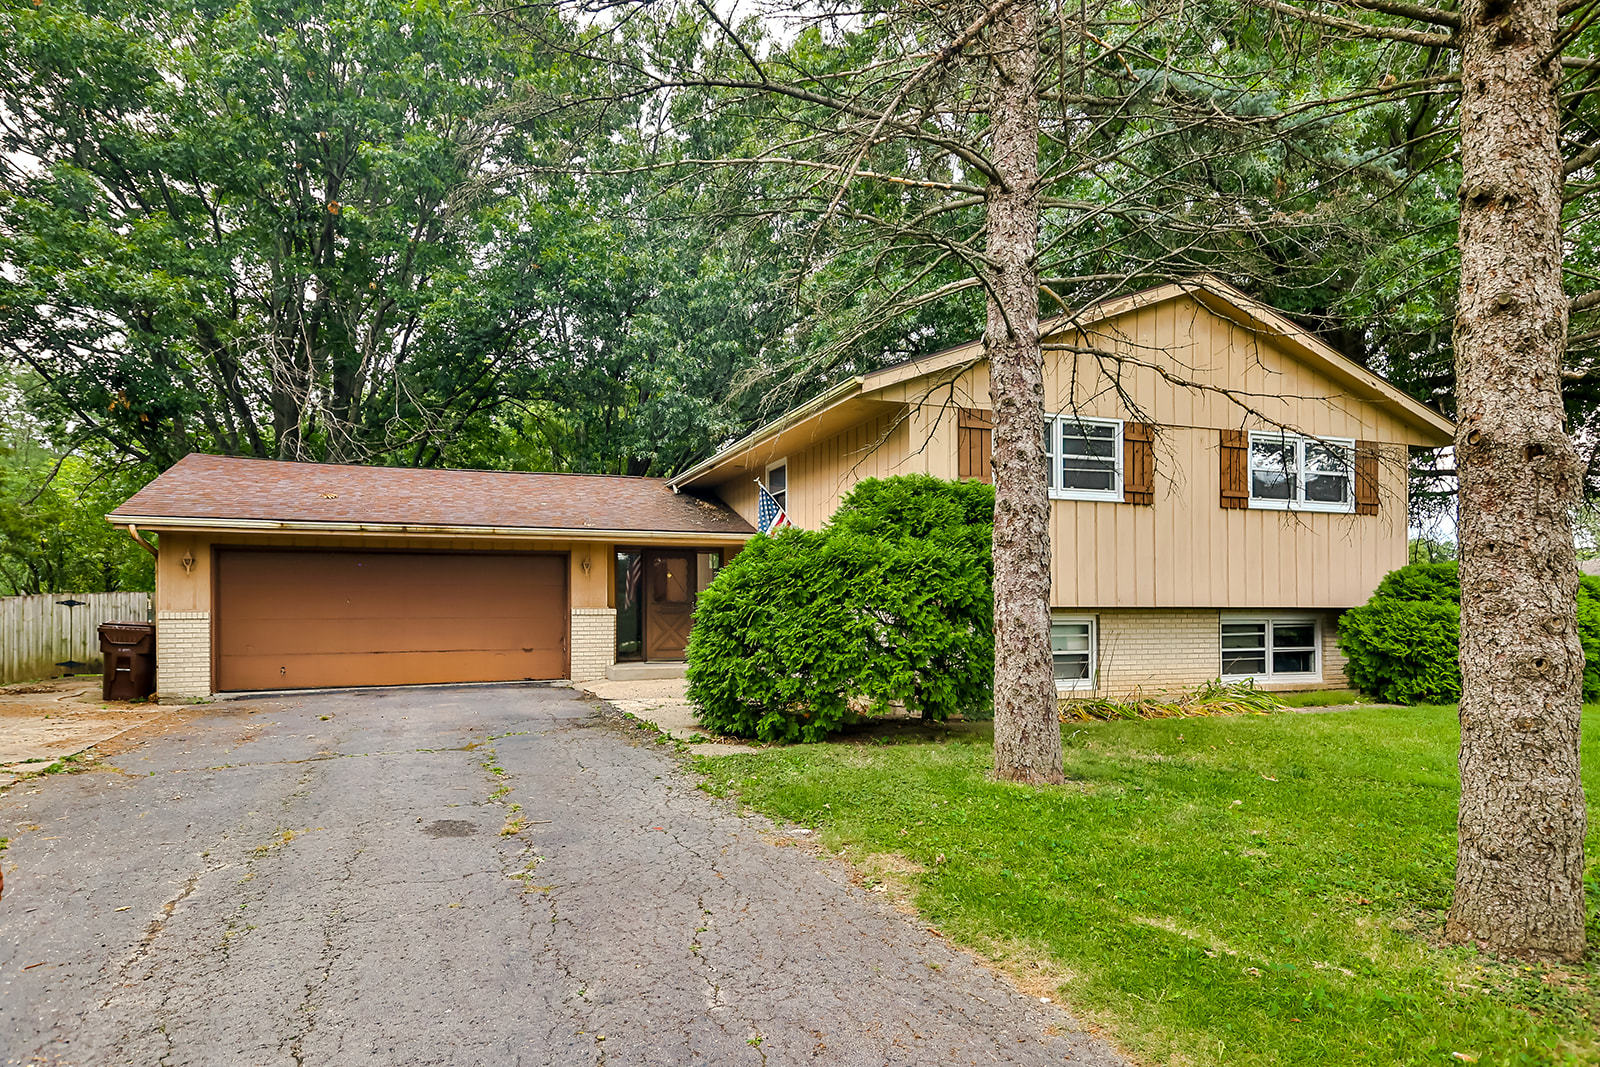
[815,406]
[203,524]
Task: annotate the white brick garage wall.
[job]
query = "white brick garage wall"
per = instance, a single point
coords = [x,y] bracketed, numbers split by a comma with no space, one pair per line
[1158,650]
[183,656]
[594,642]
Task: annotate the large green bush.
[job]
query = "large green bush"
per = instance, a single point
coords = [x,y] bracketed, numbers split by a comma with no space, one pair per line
[1402,645]
[892,603]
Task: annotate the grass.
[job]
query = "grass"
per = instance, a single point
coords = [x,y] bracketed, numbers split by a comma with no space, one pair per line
[1248,890]
[1322,698]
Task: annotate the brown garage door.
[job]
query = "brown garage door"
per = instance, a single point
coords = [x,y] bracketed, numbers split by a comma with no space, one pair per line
[296,620]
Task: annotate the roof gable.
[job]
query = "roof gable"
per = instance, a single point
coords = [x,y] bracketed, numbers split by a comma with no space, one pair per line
[1216,297]
[1226,303]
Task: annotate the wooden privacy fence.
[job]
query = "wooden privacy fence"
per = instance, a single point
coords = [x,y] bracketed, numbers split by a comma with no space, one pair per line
[58,633]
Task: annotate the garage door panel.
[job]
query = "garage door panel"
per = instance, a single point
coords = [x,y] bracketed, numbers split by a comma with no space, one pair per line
[305,619]
[378,668]
[388,635]
[429,587]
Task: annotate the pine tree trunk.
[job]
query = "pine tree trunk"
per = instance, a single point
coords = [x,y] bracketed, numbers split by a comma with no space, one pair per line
[1027,733]
[1519,874]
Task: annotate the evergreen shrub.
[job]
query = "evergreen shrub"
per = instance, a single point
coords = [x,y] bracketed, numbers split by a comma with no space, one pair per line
[806,632]
[1402,645]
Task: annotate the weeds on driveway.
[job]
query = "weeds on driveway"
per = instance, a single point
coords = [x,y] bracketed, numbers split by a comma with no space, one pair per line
[1259,890]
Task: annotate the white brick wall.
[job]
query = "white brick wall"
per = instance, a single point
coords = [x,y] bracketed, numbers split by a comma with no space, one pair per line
[594,642]
[1163,650]
[1333,660]
[1158,650]
[183,655]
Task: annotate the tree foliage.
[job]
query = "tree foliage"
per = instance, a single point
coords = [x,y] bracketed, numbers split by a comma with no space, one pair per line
[1402,645]
[891,604]
[308,230]
[53,538]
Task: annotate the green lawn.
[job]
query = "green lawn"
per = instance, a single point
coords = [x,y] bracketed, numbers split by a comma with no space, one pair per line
[1260,890]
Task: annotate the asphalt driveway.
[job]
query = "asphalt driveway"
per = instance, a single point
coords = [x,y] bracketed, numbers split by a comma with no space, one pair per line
[325,880]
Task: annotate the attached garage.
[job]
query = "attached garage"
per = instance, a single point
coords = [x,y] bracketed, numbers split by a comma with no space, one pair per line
[309,619]
[279,576]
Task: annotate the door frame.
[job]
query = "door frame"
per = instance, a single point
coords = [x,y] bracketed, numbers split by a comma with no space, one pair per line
[218,548]
[693,552]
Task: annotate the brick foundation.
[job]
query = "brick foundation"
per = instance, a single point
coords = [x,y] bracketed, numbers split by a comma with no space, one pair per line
[594,642]
[183,656]
[1162,650]
[1158,650]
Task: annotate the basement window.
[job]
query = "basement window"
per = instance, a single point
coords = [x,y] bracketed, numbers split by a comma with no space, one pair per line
[1271,648]
[1072,651]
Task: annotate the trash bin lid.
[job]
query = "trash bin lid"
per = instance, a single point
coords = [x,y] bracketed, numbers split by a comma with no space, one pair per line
[126,632]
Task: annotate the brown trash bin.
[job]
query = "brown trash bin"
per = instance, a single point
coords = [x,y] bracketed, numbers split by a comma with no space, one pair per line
[130,651]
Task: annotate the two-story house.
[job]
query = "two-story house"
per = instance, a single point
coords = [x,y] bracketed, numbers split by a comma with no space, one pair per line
[1222,483]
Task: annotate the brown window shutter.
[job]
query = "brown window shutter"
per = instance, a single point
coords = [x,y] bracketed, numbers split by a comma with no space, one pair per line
[1235,469]
[1366,477]
[1138,463]
[974,441]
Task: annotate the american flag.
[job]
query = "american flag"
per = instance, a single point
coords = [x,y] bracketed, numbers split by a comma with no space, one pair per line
[770,516]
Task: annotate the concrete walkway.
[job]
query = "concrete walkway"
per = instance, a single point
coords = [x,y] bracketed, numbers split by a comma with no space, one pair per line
[504,875]
[661,703]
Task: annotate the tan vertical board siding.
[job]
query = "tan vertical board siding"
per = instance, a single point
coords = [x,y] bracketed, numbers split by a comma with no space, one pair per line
[823,472]
[38,632]
[740,495]
[1186,550]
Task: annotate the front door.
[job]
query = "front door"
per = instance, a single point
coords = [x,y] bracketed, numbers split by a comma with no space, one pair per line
[669,603]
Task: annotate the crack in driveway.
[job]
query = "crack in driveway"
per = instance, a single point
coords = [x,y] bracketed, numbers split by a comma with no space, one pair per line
[665,927]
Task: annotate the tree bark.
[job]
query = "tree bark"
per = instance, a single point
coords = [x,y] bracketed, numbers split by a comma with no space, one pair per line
[1027,731]
[1519,873]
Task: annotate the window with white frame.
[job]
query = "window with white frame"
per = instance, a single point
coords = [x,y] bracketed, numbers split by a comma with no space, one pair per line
[1271,647]
[1072,651]
[1085,458]
[1302,473]
[778,482]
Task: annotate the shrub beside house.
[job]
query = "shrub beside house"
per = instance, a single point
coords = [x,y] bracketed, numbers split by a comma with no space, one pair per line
[1402,645]
[891,603]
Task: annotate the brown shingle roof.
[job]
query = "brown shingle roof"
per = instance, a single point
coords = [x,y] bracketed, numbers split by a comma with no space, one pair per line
[201,488]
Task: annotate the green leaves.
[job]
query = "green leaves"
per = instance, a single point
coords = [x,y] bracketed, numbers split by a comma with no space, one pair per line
[238,216]
[1402,644]
[53,534]
[806,632]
